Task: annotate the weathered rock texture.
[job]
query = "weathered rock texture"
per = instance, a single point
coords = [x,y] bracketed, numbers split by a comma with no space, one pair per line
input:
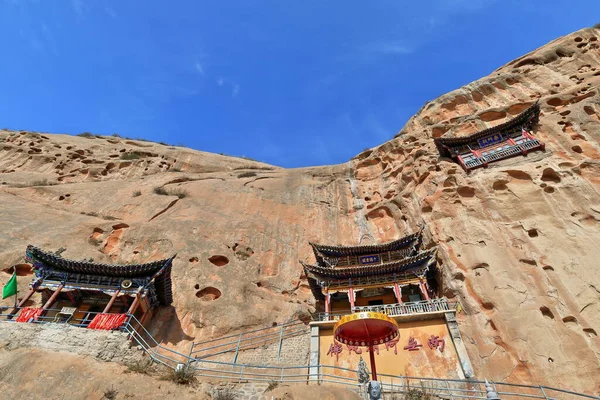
[518,241]
[35,374]
[101,345]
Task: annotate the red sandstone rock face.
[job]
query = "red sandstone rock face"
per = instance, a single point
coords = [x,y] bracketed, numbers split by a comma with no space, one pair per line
[517,241]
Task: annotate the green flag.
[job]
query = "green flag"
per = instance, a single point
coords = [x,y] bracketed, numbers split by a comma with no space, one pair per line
[10,289]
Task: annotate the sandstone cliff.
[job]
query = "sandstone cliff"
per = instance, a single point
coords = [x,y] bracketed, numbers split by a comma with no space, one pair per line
[517,240]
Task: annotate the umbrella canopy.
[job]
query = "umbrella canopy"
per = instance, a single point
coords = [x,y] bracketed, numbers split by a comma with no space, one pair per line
[365,329]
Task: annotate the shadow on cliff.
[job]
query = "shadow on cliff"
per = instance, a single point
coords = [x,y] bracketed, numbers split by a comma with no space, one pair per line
[166,327]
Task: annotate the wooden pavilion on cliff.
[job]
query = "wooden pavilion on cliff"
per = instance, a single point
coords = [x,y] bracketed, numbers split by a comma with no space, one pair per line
[397,278]
[394,277]
[493,144]
[94,295]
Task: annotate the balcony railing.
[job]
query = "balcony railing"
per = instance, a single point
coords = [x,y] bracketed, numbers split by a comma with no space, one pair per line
[398,309]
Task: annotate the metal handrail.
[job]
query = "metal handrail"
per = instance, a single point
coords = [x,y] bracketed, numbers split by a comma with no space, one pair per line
[249,340]
[454,388]
[396,309]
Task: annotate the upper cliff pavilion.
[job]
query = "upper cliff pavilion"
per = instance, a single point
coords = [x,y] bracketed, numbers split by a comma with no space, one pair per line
[506,140]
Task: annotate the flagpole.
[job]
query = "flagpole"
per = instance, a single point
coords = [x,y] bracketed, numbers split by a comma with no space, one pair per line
[17,292]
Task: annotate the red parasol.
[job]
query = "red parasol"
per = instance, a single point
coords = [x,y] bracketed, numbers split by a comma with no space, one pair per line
[366,329]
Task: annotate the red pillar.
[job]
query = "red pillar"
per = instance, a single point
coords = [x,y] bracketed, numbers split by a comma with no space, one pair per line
[135,304]
[32,290]
[53,297]
[398,293]
[424,289]
[372,357]
[111,302]
[327,305]
[351,298]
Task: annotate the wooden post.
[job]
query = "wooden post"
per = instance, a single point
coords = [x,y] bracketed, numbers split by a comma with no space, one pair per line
[398,292]
[53,297]
[111,302]
[372,357]
[32,290]
[135,304]
[327,306]
[424,289]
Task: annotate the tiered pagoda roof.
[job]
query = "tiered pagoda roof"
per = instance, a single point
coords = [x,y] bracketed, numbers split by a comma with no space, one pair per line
[155,275]
[395,267]
[409,242]
[527,119]
[415,263]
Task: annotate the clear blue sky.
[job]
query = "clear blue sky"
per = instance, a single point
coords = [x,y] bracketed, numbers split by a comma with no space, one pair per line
[297,83]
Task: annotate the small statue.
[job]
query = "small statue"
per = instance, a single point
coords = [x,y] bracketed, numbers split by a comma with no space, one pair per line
[374,390]
[363,372]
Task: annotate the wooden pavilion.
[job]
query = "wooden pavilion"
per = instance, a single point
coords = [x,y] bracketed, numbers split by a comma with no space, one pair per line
[345,278]
[506,140]
[94,295]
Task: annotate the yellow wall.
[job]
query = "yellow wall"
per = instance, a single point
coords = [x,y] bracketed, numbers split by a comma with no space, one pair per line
[425,362]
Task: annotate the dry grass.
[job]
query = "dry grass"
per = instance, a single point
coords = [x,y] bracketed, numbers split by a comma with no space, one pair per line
[226,393]
[40,182]
[181,376]
[272,386]
[139,367]
[110,394]
[181,193]
[131,156]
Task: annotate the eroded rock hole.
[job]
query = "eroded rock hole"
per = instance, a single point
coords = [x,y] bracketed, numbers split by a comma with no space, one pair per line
[550,175]
[194,260]
[499,185]
[465,191]
[20,269]
[577,149]
[549,189]
[208,294]
[590,332]
[120,226]
[218,260]
[196,286]
[532,233]
[546,312]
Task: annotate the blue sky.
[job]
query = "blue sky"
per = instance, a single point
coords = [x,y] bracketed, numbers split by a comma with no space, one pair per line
[293,84]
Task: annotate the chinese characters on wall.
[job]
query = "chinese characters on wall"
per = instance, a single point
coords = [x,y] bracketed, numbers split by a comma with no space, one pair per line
[434,343]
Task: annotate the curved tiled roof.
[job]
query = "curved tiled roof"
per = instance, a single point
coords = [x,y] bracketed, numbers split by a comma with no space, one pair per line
[87,267]
[399,266]
[529,116]
[341,251]
[156,273]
